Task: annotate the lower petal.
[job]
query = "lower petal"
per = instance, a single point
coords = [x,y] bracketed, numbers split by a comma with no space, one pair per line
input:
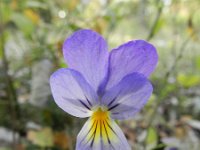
[101,133]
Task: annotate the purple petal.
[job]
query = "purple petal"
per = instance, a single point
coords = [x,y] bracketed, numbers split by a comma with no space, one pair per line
[135,56]
[101,136]
[86,52]
[72,93]
[128,96]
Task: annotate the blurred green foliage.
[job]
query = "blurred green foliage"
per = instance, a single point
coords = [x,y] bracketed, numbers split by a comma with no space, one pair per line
[34,30]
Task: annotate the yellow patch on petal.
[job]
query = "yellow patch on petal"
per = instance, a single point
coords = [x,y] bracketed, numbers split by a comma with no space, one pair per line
[101,127]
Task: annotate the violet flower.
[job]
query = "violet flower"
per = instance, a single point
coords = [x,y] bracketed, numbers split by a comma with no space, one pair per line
[103,86]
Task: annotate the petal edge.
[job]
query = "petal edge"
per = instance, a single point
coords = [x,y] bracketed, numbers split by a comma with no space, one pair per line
[128,96]
[86,51]
[72,93]
[134,56]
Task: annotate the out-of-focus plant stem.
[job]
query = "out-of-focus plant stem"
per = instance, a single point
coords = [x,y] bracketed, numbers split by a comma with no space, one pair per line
[156,21]
[178,57]
[168,73]
[11,93]
[166,76]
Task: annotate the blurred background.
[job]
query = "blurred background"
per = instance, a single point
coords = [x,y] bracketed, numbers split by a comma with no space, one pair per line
[31,37]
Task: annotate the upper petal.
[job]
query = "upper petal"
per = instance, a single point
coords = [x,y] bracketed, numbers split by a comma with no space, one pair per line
[72,93]
[135,56]
[86,52]
[128,96]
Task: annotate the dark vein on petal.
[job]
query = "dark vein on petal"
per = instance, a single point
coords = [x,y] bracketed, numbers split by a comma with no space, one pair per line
[115,113]
[88,131]
[88,101]
[112,146]
[106,133]
[84,104]
[111,102]
[73,102]
[110,127]
[113,107]
[100,129]
[94,136]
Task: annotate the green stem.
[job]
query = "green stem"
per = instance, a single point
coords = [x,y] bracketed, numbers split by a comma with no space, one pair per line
[156,21]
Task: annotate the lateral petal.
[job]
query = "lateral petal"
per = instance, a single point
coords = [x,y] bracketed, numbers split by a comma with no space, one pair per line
[128,96]
[72,93]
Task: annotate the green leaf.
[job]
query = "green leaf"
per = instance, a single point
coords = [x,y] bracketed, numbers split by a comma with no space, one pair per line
[36,4]
[197,62]
[42,138]
[158,26]
[160,146]
[188,80]
[5,12]
[152,138]
[23,23]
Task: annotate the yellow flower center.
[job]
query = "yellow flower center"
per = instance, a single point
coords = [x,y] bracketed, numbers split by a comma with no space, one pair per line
[100,126]
[100,115]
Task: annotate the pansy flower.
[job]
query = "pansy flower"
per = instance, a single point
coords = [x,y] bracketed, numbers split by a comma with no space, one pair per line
[103,86]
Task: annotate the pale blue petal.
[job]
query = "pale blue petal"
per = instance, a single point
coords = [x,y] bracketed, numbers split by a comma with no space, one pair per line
[86,51]
[72,93]
[135,56]
[115,140]
[128,96]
